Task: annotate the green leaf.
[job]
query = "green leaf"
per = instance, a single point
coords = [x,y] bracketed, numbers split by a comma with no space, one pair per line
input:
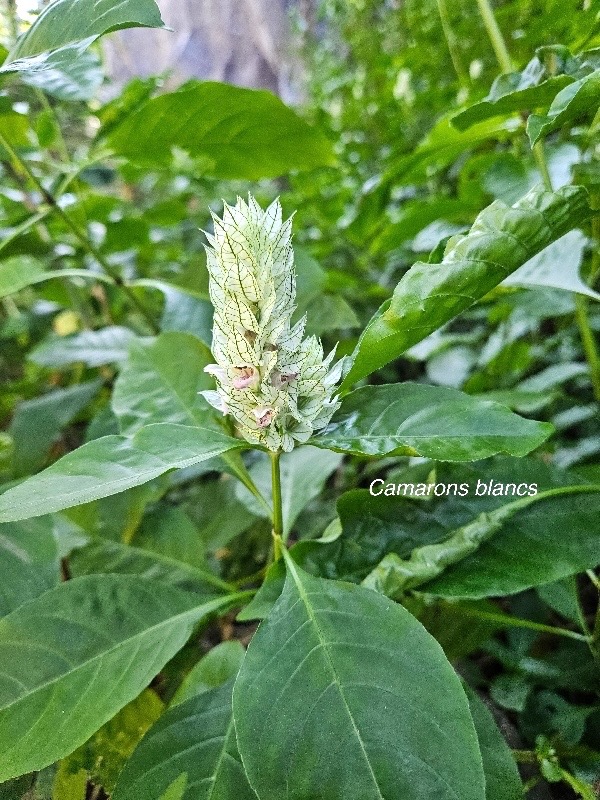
[195,738]
[60,654]
[110,465]
[554,538]
[354,672]
[501,240]
[502,780]
[431,421]
[556,266]
[303,474]
[219,665]
[160,381]
[577,101]
[18,272]
[238,133]
[29,559]
[37,423]
[93,348]
[66,21]
[70,73]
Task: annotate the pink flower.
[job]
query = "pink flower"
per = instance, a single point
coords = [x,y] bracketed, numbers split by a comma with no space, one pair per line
[264,416]
[246,376]
[278,380]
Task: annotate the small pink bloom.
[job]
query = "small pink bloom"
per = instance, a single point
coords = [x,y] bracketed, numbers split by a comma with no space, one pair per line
[264,416]
[246,376]
[278,379]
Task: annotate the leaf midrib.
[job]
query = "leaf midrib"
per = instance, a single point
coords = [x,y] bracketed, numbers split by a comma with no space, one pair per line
[336,681]
[212,605]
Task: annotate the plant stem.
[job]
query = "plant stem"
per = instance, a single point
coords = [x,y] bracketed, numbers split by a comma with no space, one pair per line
[452,42]
[517,622]
[588,341]
[79,234]
[13,19]
[495,34]
[277,508]
[540,160]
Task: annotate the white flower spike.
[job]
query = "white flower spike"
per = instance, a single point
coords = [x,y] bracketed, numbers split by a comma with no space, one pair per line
[275,384]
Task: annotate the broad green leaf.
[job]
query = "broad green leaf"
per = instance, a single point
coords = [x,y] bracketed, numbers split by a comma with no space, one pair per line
[103,555]
[502,780]
[238,133]
[431,421]
[303,474]
[160,381]
[37,423]
[184,310]
[60,653]
[218,513]
[554,538]
[579,100]
[105,754]
[28,562]
[501,240]
[110,465]
[556,266]
[196,739]
[354,671]
[66,21]
[219,665]
[93,348]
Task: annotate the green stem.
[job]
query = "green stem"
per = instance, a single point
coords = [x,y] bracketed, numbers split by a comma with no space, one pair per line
[13,19]
[540,159]
[452,42]
[495,34]
[79,234]
[277,507]
[517,622]
[588,341]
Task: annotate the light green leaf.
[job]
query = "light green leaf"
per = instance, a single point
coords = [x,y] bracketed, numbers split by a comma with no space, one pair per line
[37,423]
[577,101]
[556,266]
[66,21]
[60,654]
[195,738]
[110,465]
[502,780]
[29,562]
[93,348]
[160,381]
[219,665]
[431,421]
[238,133]
[303,473]
[354,672]
[501,240]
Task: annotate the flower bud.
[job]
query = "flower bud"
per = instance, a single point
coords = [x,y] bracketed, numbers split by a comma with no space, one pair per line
[277,385]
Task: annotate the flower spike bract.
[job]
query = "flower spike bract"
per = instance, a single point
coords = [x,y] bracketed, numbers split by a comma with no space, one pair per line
[275,384]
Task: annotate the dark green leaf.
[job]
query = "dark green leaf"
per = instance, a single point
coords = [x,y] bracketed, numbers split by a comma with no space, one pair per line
[238,133]
[196,739]
[577,101]
[219,665]
[61,652]
[354,672]
[502,781]
[500,241]
[431,421]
